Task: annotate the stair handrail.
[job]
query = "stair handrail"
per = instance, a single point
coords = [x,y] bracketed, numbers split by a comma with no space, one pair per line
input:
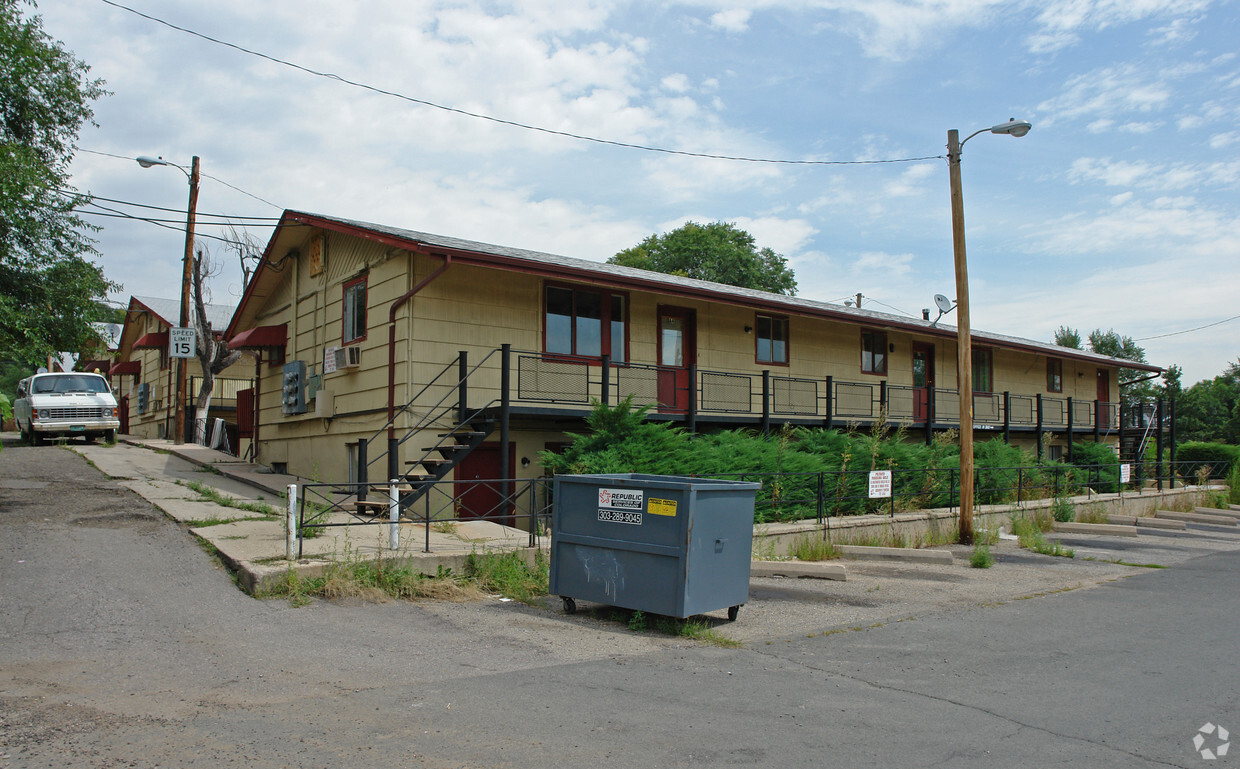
[432,414]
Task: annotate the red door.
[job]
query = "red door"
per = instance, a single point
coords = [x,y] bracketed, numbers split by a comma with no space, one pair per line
[923,380]
[1104,398]
[478,489]
[677,351]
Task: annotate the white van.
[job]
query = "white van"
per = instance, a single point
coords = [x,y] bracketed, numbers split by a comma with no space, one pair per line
[65,405]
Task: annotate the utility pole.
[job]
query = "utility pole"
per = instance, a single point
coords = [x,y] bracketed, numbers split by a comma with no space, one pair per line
[178,430]
[964,352]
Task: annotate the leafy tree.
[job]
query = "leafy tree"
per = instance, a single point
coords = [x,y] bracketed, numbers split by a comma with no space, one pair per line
[48,286]
[1209,411]
[1068,337]
[1115,345]
[718,251]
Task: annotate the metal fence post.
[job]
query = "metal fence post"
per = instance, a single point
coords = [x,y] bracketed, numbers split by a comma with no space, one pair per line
[1071,415]
[1039,425]
[362,469]
[393,514]
[820,504]
[290,542]
[766,402]
[828,420]
[691,417]
[462,387]
[605,388]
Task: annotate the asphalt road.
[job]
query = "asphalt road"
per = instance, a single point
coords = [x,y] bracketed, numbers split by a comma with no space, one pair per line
[123,644]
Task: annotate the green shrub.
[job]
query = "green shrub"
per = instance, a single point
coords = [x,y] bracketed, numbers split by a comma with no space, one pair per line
[1218,457]
[981,557]
[1062,510]
[1233,485]
[1099,465]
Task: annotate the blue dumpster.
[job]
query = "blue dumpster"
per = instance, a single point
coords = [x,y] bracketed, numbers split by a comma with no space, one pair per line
[660,544]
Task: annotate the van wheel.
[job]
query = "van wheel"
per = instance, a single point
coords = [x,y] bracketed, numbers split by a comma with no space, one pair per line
[35,439]
[109,436]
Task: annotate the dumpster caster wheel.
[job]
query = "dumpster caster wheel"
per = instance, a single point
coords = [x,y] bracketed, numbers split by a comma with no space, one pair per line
[570,606]
[733,612]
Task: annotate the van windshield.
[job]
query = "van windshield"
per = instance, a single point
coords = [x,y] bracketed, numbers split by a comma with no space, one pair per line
[70,383]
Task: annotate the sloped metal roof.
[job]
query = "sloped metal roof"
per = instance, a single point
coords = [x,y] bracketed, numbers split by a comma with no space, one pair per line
[614,274]
[169,311]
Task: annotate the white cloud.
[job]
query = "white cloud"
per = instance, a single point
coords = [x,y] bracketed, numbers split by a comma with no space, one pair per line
[676,83]
[1220,141]
[882,264]
[732,20]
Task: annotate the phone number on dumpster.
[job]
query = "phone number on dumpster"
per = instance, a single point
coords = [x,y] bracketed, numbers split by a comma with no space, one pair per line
[620,516]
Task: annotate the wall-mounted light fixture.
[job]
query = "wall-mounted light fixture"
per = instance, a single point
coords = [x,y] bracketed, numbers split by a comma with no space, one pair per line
[525,461]
[748,329]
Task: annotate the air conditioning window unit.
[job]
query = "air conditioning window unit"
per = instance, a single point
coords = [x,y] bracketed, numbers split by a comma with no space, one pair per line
[349,357]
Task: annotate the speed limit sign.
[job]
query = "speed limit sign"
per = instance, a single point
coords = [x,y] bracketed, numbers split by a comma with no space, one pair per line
[182,342]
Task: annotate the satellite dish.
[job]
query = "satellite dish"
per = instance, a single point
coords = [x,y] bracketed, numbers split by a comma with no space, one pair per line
[943,303]
[42,370]
[114,330]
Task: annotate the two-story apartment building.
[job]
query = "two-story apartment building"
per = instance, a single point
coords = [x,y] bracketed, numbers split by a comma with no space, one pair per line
[145,375]
[469,358]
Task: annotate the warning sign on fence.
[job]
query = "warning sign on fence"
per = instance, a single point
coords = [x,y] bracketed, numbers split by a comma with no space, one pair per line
[880,484]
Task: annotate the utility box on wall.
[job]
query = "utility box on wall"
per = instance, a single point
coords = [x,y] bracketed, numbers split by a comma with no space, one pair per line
[293,393]
[656,543]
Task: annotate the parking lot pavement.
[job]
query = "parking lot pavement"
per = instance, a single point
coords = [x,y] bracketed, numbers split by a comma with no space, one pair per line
[876,592]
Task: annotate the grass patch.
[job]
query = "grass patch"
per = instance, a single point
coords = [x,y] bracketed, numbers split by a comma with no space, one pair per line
[1092,514]
[202,523]
[209,494]
[1122,562]
[698,629]
[811,548]
[372,580]
[981,558]
[1062,510]
[508,574]
[1029,529]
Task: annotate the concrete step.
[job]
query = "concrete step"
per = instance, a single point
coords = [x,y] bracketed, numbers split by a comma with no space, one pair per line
[910,554]
[1216,520]
[1217,511]
[1147,523]
[799,570]
[1103,529]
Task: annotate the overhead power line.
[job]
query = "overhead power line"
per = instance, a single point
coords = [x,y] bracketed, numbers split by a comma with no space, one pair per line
[1189,330]
[204,175]
[502,121]
[229,217]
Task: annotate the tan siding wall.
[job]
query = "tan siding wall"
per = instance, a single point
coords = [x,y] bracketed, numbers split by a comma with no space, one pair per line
[477,310]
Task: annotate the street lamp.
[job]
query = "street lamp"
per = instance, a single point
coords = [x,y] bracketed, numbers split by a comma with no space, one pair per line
[178,427]
[964,351]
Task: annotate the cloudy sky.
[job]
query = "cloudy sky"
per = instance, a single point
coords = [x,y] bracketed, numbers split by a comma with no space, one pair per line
[1118,210]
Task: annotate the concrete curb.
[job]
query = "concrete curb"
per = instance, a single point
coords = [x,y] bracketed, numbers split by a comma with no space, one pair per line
[1217,511]
[1149,523]
[912,555]
[1101,529]
[1217,520]
[799,570]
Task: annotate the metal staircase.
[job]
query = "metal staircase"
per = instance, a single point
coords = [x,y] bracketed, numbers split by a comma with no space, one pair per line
[467,429]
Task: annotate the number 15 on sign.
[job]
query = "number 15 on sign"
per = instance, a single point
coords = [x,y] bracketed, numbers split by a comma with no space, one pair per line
[182,342]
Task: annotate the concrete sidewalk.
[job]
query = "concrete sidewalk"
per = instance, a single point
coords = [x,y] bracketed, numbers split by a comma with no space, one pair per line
[240,509]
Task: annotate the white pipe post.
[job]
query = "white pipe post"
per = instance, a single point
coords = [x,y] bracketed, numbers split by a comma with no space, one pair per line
[290,544]
[393,515]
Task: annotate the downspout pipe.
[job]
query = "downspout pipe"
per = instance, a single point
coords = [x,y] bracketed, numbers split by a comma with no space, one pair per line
[396,305]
